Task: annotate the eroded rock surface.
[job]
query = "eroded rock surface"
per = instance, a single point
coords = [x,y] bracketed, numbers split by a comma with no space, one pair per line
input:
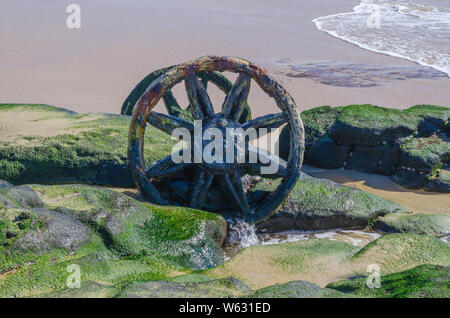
[111,236]
[52,145]
[318,204]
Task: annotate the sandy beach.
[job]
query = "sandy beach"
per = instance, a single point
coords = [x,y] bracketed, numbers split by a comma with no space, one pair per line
[418,201]
[93,69]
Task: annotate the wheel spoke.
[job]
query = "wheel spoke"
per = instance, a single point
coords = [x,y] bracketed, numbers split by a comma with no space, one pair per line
[165,167]
[202,182]
[172,106]
[198,98]
[268,121]
[266,159]
[236,99]
[218,79]
[168,123]
[233,182]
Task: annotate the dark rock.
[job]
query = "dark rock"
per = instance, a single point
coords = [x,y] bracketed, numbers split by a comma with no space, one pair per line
[113,174]
[284,143]
[379,159]
[409,177]
[326,154]
[427,128]
[4,184]
[371,125]
[58,231]
[439,182]
[316,121]
[5,202]
[432,117]
[23,196]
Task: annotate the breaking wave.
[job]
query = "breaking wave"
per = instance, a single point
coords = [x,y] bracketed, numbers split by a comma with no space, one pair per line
[415,30]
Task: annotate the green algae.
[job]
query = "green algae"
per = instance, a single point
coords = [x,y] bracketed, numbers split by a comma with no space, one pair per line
[419,223]
[124,241]
[422,281]
[92,148]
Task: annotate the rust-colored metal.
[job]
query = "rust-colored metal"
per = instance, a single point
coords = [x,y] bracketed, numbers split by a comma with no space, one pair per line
[236,98]
[170,102]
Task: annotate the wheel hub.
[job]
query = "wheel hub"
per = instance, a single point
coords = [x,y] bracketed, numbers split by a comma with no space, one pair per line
[223,146]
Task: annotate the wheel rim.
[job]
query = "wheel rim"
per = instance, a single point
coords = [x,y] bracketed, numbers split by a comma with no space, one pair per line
[143,113]
[170,102]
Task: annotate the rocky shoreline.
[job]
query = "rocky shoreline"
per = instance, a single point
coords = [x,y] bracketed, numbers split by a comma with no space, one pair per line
[412,146]
[54,213]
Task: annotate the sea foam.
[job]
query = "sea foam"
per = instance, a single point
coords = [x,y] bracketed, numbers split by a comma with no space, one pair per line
[415,30]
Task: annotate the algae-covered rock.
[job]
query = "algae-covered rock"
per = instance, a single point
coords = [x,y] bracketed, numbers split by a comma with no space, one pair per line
[23,196]
[198,286]
[88,289]
[217,288]
[397,252]
[316,121]
[5,184]
[421,159]
[431,224]
[440,182]
[423,281]
[226,287]
[296,289]
[5,202]
[432,117]
[371,125]
[113,238]
[45,144]
[324,153]
[323,261]
[315,260]
[57,230]
[317,204]
[425,154]
[131,227]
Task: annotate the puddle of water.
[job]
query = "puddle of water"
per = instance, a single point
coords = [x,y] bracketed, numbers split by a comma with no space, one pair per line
[242,235]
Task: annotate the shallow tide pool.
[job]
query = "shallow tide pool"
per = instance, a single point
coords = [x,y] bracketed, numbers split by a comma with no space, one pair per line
[242,235]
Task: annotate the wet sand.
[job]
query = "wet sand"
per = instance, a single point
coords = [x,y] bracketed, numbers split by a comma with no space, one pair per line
[93,69]
[418,201]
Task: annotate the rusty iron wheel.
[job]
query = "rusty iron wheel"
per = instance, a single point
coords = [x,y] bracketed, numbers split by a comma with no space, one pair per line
[170,102]
[202,109]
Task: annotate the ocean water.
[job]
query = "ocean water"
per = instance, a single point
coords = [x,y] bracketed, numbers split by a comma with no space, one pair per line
[241,235]
[417,30]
